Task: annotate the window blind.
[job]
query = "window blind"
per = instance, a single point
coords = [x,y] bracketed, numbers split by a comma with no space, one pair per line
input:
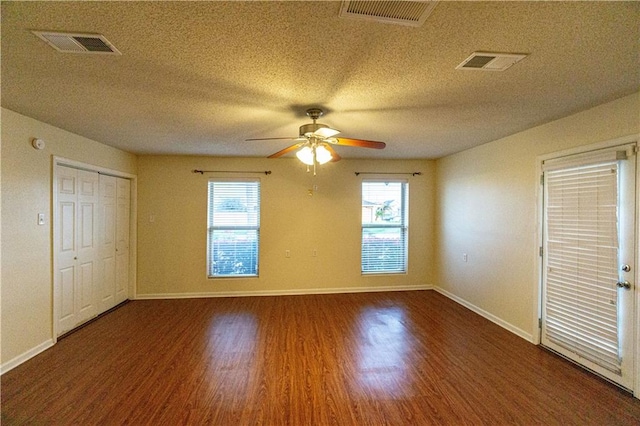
[384,227]
[582,261]
[600,156]
[233,228]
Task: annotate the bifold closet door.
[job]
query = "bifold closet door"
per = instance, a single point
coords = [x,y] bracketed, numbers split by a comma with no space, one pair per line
[77,269]
[91,240]
[107,242]
[123,209]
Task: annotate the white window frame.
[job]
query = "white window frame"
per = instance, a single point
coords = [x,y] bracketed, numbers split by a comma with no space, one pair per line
[212,228]
[403,226]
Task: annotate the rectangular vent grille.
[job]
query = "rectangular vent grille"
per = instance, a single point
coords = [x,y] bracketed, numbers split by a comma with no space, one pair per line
[412,13]
[78,43]
[482,61]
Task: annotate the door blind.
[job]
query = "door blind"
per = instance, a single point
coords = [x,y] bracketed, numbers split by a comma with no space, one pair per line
[582,261]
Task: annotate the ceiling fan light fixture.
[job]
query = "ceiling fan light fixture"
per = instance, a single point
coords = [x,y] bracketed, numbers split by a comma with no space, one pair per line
[305,155]
[326,132]
[322,154]
[315,140]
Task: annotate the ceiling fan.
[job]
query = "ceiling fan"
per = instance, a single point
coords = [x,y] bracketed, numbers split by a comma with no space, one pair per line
[315,142]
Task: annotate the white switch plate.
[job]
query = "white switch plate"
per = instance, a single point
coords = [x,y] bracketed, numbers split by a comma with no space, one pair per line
[40,218]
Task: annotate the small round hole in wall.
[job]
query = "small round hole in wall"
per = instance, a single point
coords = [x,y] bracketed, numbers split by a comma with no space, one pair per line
[37,143]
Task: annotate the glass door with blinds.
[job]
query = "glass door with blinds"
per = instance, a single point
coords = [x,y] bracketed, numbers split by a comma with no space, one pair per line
[589,260]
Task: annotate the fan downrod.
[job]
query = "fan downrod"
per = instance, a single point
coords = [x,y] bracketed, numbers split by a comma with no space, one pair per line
[314,113]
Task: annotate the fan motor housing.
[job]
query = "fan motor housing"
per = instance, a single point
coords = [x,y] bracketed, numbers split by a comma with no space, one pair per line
[308,129]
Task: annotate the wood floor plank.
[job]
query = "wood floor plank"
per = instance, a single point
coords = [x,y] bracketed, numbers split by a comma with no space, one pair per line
[414,358]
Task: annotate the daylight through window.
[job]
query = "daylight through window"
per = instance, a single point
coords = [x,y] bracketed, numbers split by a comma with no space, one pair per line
[384,226]
[233,228]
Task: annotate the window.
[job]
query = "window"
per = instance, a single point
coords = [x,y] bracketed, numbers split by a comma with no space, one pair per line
[233,228]
[384,226]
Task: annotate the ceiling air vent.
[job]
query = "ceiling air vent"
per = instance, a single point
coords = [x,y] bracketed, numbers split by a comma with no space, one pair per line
[483,61]
[78,43]
[412,13]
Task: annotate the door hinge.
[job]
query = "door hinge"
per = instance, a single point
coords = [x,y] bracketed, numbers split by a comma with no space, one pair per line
[541,251]
[539,322]
[542,179]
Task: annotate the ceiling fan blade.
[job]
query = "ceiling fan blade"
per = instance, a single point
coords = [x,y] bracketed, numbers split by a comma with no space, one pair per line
[360,143]
[334,155]
[272,139]
[286,150]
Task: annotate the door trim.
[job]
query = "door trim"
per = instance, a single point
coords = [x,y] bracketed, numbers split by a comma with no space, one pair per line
[537,335]
[66,162]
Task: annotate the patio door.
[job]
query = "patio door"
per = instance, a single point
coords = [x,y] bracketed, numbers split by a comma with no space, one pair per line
[589,260]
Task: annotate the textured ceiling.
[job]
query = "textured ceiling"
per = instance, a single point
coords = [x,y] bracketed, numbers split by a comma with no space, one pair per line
[201,77]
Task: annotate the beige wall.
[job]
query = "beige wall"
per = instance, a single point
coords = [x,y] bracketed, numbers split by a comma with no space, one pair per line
[26,299]
[171,250]
[481,202]
[486,208]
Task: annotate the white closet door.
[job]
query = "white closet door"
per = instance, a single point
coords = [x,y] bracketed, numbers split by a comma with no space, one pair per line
[76,246]
[91,245]
[107,243]
[88,200]
[66,252]
[122,239]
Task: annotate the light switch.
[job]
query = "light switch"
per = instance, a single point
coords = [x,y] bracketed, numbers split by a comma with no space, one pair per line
[40,218]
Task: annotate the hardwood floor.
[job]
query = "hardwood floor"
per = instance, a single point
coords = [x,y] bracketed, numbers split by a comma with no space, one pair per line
[352,359]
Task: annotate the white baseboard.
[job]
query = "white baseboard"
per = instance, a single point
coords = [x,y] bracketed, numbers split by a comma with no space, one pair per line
[494,319]
[10,365]
[292,292]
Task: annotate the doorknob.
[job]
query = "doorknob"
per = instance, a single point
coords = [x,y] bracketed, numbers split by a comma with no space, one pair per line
[625,284]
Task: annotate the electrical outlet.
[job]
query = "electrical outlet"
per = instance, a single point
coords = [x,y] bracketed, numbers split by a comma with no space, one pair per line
[287,253]
[465,257]
[40,218]
[314,253]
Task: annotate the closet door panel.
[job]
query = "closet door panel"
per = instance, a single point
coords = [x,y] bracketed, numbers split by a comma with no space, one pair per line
[66,248]
[66,310]
[122,239]
[107,243]
[87,284]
